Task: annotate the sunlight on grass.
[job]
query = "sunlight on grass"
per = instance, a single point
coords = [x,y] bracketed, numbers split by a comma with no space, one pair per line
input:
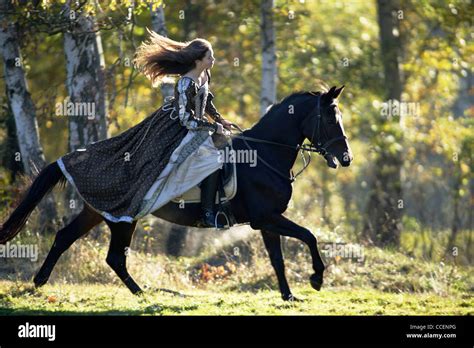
[21,298]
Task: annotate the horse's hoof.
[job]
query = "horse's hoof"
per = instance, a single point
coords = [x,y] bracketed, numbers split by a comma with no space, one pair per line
[39,282]
[316,281]
[291,298]
[138,292]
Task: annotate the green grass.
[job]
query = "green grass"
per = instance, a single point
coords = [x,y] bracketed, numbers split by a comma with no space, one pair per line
[220,281]
[18,298]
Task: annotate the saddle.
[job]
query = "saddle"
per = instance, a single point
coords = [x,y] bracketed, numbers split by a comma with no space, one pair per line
[227,184]
[226,189]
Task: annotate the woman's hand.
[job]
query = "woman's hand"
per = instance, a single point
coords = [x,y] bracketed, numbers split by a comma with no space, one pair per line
[226,124]
[222,130]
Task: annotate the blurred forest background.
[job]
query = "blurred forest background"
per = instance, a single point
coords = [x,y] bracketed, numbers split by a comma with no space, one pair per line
[410,189]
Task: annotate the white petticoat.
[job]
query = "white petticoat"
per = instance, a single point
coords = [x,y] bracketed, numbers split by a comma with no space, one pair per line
[177,179]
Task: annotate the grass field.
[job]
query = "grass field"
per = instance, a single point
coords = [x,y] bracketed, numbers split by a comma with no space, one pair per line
[18,298]
[222,281]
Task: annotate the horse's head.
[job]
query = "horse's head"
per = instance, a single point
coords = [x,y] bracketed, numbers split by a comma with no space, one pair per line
[324,129]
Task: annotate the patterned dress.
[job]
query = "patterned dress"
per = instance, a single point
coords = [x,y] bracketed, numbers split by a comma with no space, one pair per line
[130,175]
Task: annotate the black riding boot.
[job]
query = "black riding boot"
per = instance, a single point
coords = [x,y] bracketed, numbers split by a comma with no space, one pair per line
[208,196]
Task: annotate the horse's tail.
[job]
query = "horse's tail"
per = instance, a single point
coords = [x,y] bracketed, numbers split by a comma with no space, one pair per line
[42,184]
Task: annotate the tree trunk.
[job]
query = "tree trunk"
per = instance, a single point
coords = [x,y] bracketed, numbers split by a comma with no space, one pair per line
[158,25]
[269,69]
[176,241]
[85,84]
[22,106]
[383,223]
[465,98]
[456,222]
[470,218]
[192,20]
[11,146]
[325,196]
[462,103]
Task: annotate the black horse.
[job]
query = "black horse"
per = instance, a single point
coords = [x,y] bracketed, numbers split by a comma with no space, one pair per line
[262,196]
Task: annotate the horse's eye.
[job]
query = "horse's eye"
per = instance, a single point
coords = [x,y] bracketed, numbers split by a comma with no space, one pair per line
[331,118]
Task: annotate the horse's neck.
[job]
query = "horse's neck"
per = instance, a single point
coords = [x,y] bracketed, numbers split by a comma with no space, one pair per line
[282,130]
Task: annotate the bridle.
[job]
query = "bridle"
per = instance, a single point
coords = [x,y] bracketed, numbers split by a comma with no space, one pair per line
[319,148]
[322,149]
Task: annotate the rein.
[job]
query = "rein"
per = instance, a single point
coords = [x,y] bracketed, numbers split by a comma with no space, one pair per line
[318,148]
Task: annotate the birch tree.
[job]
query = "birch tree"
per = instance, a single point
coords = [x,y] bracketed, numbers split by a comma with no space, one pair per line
[158,25]
[85,79]
[85,84]
[22,106]
[269,70]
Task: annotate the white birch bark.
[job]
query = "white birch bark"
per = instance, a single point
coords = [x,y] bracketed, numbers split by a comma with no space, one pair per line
[85,72]
[269,69]
[20,99]
[158,25]
[85,80]
[22,106]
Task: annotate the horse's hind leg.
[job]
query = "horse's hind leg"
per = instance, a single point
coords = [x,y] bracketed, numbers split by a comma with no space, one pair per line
[82,224]
[122,233]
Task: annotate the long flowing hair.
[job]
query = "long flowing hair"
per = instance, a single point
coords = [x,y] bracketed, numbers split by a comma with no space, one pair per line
[161,56]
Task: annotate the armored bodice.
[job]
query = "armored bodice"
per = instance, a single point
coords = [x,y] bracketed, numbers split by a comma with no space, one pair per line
[192,102]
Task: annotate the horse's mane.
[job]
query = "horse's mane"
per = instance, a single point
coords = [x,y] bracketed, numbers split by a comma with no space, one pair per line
[288,99]
[283,103]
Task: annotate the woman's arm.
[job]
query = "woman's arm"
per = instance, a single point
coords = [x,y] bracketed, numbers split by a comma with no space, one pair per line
[186,90]
[212,111]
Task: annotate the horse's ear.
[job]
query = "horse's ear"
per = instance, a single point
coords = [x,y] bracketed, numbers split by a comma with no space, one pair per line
[329,94]
[338,92]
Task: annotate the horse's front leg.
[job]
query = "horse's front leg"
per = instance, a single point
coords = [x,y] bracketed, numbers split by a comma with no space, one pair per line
[272,243]
[281,225]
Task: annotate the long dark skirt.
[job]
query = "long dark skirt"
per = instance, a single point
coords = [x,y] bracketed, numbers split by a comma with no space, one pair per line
[113,175]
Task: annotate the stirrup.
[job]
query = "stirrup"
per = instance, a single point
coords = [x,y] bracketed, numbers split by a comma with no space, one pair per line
[226,227]
[209,222]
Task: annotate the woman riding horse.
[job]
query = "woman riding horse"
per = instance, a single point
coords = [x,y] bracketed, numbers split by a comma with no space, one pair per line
[165,155]
[137,172]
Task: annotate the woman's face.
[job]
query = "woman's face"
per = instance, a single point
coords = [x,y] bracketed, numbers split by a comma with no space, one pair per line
[208,61]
